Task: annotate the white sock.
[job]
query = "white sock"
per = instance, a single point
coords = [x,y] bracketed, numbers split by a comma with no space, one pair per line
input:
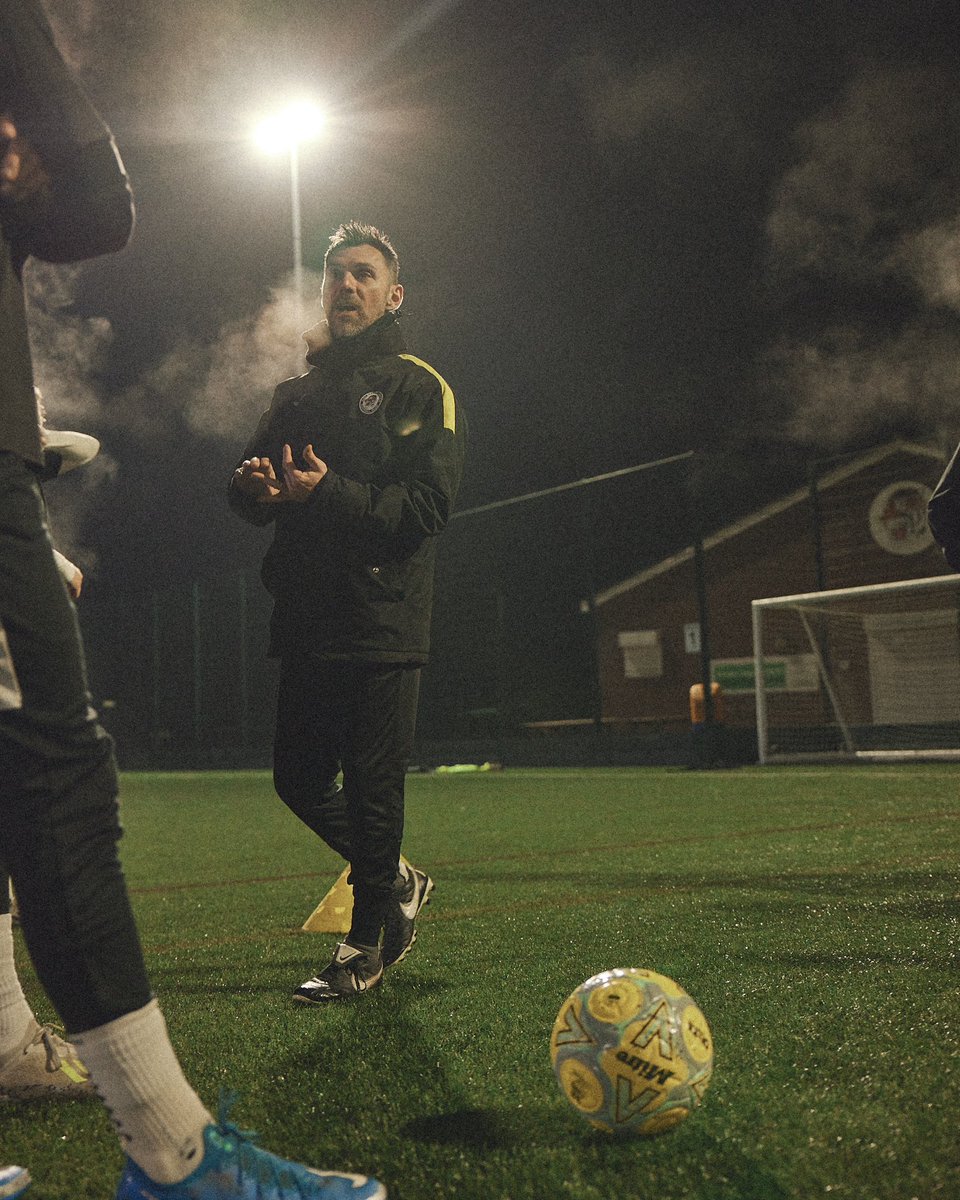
[157,1114]
[15,1013]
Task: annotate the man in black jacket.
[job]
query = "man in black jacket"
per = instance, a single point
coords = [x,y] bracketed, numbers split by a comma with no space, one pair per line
[357,463]
[64,197]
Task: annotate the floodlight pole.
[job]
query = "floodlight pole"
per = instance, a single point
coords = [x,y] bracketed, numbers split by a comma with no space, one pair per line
[295,217]
[286,131]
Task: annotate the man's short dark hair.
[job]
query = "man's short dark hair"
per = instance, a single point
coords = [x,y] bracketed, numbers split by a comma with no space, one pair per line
[356,233]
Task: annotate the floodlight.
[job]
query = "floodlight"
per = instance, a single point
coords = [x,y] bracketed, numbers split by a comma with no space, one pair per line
[300,122]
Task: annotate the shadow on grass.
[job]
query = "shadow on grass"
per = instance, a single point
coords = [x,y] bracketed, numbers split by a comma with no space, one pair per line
[403,1093]
[732,1174]
[715,1168]
[479,1129]
[189,980]
[482,1128]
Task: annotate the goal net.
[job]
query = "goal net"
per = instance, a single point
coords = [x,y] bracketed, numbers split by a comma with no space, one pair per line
[859,673]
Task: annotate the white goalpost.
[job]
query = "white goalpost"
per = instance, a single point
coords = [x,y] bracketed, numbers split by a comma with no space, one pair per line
[862,673]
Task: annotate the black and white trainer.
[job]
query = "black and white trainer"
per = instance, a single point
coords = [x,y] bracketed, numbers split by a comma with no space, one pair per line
[350,972]
[399,927]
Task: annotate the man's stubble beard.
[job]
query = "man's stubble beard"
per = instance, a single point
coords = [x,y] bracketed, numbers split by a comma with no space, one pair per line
[353,332]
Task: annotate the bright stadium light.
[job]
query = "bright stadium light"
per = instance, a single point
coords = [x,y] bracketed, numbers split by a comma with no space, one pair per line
[298,123]
[287,131]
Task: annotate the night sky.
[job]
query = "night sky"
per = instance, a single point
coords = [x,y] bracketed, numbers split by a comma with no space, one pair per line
[625,231]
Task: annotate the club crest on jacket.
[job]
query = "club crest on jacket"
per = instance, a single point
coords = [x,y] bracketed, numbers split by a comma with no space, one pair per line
[370,402]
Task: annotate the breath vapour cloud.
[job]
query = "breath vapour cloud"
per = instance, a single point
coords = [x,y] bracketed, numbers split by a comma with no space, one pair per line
[69,352]
[218,389]
[870,211]
[221,388]
[668,104]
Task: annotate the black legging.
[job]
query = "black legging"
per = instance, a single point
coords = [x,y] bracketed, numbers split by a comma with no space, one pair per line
[359,716]
[59,821]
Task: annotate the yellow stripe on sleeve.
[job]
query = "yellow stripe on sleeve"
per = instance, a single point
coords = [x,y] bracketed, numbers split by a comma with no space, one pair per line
[449,406]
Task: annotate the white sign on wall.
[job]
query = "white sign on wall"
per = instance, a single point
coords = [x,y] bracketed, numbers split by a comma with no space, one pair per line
[642,653]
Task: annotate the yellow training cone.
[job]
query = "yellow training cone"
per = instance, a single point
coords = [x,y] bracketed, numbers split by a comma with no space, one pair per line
[333,913]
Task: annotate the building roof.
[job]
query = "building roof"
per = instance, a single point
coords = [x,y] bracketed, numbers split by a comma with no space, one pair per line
[830,479]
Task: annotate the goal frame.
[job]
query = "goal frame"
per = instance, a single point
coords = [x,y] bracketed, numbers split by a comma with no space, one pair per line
[813,600]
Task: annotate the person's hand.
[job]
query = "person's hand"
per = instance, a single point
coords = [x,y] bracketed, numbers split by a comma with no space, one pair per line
[299,485]
[75,584]
[256,478]
[9,156]
[21,175]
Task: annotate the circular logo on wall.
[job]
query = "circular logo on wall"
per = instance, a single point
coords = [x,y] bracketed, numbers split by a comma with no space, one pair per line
[370,402]
[898,518]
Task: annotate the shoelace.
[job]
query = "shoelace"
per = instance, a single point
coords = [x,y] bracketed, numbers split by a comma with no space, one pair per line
[351,966]
[46,1034]
[267,1171]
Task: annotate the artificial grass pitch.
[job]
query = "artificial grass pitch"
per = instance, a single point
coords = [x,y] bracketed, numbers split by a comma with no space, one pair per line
[811,912]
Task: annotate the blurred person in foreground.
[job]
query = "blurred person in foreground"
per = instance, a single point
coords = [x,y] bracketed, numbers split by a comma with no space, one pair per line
[64,197]
[357,464]
[41,1065]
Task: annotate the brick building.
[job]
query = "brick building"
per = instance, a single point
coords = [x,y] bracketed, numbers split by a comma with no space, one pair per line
[863,522]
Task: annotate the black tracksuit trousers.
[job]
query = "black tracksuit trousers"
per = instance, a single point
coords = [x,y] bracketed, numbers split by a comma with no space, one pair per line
[59,822]
[359,717]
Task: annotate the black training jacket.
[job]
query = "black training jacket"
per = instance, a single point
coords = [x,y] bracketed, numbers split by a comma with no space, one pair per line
[351,569]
